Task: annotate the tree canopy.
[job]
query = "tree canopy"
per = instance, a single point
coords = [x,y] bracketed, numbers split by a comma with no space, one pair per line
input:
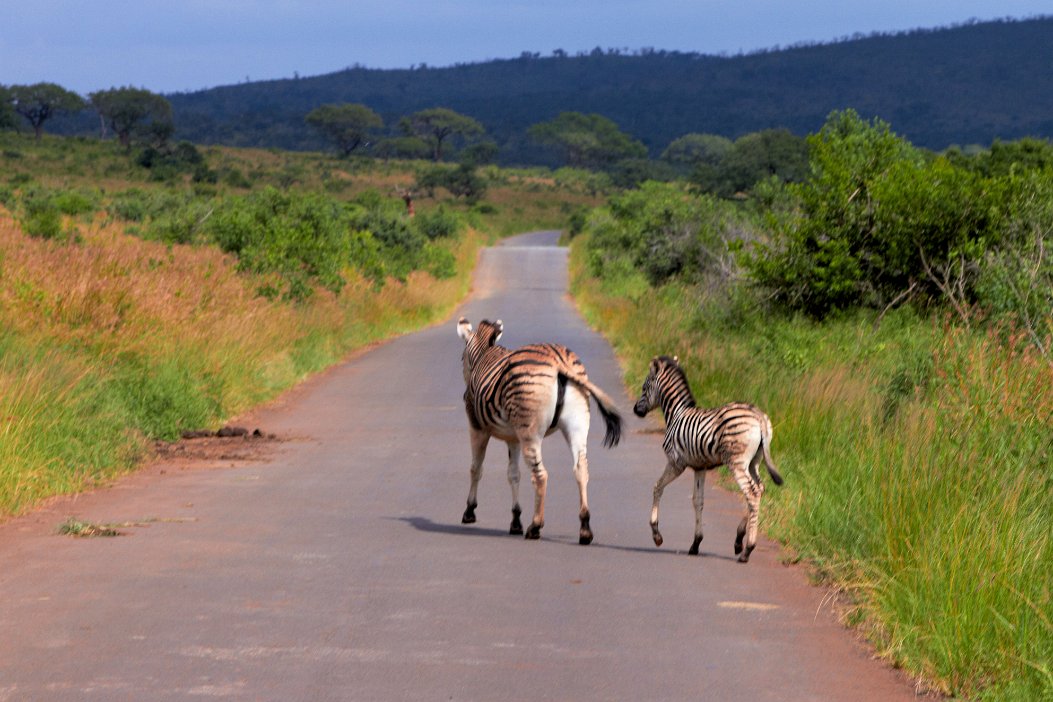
[126,109]
[348,125]
[7,112]
[39,102]
[693,149]
[437,124]
[587,141]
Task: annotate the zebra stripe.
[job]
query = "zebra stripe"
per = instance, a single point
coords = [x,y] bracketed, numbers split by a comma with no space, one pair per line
[737,435]
[520,396]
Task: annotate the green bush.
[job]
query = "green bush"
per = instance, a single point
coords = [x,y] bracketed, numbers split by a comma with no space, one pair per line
[663,231]
[878,223]
[303,238]
[75,202]
[1016,278]
[439,223]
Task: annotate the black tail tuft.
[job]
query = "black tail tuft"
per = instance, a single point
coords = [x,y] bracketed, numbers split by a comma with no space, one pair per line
[613,420]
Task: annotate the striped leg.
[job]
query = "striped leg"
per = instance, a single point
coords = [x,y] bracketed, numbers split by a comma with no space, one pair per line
[479,440]
[513,480]
[746,537]
[539,477]
[670,474]
[697,499]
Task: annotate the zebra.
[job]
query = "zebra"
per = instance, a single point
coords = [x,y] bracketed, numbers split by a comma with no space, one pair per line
[520,396]
[737,435]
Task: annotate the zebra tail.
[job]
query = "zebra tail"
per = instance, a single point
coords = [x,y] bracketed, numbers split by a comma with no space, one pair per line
[768,462]
[611,416]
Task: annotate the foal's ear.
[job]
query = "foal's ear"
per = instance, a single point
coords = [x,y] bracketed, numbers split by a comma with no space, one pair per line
[464,329]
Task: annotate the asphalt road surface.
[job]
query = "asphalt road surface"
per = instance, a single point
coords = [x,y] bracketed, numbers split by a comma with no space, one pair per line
[338,569]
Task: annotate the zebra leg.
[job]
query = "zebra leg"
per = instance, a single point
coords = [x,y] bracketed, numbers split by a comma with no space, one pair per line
[746,535]
[670,474]
[539,477]
[697,499]
[581,473]
[513,480]
[574,424]
[479,440]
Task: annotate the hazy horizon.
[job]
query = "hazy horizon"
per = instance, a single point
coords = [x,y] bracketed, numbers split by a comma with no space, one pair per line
[175,47]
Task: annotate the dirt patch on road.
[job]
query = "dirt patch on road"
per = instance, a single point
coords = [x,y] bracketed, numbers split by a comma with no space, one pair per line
[227,444]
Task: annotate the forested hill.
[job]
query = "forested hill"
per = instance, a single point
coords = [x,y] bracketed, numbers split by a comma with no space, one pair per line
[960,85]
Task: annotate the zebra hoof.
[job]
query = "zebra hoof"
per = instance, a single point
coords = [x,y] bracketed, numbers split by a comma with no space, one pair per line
[534,532]
[693,551]
[585,538]
[745,556]
[516,527]
[738,547]
[658,541]
[469,514]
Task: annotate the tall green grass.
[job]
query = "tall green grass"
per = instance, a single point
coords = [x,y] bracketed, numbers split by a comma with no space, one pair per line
[918,459]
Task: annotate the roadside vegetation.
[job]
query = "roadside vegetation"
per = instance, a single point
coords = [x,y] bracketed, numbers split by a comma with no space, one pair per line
[893,313]
[157,288]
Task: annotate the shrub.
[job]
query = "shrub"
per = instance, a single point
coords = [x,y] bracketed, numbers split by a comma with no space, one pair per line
[301,237]
[75,202]
[877,223]
[439,223]
[664,231]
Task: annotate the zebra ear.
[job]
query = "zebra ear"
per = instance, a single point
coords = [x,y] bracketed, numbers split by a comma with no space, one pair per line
[464,329]
[500,330]
[676,360]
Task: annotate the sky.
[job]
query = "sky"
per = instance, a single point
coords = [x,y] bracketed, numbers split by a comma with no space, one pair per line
[184,45]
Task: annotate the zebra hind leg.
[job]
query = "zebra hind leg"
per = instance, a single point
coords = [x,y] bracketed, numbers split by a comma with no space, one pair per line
[746,535]
[516,527]
[697,499]
[539,478]
[574,425]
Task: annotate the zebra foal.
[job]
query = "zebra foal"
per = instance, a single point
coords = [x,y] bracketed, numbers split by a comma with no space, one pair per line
[737,435]
[521,396]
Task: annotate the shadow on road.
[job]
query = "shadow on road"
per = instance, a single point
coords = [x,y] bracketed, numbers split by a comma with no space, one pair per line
[425,524]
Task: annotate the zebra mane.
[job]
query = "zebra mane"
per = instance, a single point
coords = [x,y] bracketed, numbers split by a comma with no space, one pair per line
[676,381]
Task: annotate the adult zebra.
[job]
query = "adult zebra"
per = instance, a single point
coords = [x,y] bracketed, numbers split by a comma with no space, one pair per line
[737,435]
[520,397]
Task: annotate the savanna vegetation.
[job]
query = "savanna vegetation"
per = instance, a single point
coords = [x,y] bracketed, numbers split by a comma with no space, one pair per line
[157,287]
[893,313]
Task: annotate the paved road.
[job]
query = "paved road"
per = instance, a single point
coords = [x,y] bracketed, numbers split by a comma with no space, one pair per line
[339,569]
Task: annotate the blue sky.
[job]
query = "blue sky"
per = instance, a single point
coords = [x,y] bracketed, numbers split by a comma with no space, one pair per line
[177,45]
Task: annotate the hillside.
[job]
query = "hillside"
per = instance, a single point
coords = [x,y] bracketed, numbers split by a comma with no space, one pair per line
[961,85]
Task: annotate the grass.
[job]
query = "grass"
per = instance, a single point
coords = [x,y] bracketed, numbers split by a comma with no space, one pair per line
[917,458]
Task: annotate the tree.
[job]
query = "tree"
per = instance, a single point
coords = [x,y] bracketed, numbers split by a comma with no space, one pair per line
[7,112]
[438,124]
[349,125]
[754,157]
[587,141]
[693,149]
[41,101]
[125,109]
